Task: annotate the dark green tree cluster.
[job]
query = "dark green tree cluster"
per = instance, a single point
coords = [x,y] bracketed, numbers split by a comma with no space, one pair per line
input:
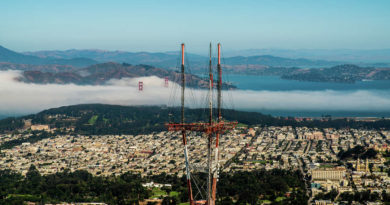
[251,187]
[327,196]
[365,196]
[358,152]
[81,186]
[35,137]
[11,123]
[78,186]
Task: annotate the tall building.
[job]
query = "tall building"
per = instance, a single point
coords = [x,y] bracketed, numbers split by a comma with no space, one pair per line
[362,167]
[336,173]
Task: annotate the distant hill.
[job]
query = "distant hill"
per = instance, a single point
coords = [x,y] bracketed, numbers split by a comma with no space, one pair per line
[362,57]
[170,60]
[100,73]
[43,68]
[167,60]
[346,73]
[272,61]
[9,56]
[64,66]
[341,73]
[255,58]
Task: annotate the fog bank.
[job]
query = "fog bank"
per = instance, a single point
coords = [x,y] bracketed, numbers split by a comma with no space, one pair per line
[23,98]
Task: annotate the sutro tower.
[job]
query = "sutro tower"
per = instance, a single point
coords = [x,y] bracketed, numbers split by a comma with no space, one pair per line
[213,129]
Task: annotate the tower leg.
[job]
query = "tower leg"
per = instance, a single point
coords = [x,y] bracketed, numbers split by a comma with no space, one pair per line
[209,171]
[216,170]
[190,196]
[219,104]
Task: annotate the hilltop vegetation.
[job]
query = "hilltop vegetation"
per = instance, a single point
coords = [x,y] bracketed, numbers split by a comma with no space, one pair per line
[115,119]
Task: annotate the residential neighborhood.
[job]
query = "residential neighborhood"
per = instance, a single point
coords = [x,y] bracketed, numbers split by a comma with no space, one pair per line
[318,153]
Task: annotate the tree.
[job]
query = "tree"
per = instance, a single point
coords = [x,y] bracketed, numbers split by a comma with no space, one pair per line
[168,200]
[33,180]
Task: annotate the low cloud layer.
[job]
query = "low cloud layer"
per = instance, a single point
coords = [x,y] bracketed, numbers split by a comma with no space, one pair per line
[22,98]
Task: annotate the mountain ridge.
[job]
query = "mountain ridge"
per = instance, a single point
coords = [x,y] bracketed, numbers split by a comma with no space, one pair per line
[170,60]
[7,55]
[287,68]
[361,56]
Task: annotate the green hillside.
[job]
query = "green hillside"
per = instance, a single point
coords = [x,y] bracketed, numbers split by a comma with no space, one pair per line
[116,119]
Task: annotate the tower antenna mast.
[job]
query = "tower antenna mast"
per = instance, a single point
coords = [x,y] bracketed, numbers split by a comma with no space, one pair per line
[210,136]
[211,129]
[183,131]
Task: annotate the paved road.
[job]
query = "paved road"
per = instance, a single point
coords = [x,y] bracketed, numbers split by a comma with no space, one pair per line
[307,147]
[288,146]
[307,183]
[227,164]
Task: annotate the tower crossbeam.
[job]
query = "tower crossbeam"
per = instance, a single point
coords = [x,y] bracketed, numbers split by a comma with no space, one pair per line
[218,127]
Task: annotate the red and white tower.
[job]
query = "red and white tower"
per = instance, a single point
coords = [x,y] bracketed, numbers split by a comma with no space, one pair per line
[213,129]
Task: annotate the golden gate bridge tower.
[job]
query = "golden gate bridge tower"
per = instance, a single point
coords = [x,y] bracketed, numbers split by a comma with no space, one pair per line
[213,130]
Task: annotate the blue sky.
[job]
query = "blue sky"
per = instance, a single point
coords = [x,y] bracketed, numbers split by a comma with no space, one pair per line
[162,25]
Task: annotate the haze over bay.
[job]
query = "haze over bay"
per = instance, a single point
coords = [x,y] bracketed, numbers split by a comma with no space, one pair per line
[266,94]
